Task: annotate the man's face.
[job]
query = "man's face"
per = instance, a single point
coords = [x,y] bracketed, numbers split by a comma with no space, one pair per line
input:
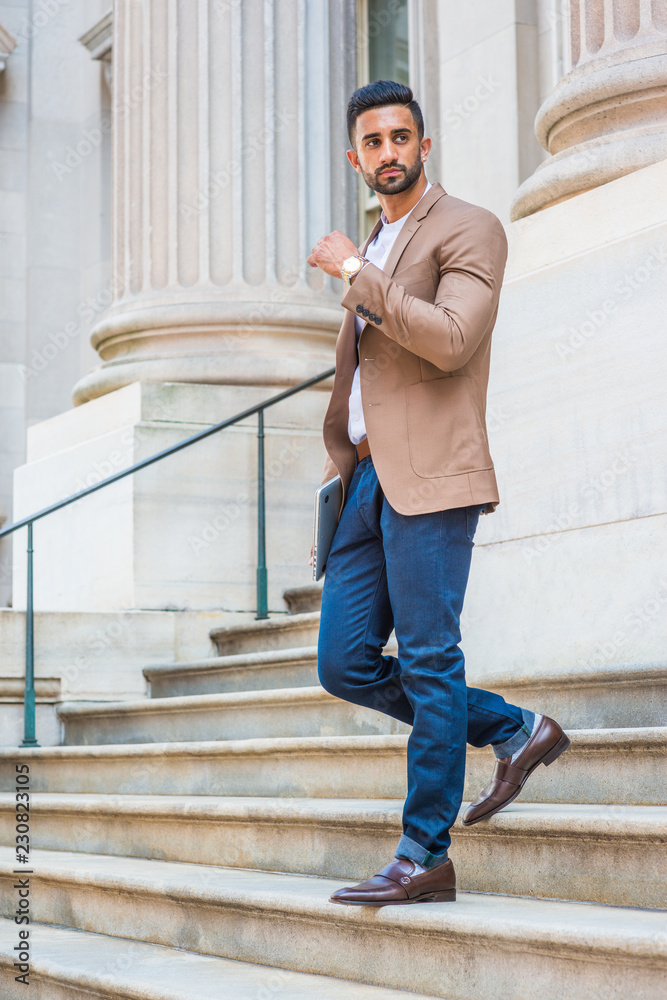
[388,151]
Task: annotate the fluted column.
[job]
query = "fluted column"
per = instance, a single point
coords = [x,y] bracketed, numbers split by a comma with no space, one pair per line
[228,134]
[608,115]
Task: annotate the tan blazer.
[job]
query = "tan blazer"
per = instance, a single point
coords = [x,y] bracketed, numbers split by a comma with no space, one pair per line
[424,359]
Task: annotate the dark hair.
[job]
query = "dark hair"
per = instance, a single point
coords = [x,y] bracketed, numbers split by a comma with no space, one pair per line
[378,95]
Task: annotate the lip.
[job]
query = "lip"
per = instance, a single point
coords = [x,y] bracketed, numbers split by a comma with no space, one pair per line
[389,173]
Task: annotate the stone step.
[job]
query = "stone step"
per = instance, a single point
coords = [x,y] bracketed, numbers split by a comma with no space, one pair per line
[600,853]
[302,600]
[265,670]
[481,947]
[260,671]
[601,765]
[279,632]
[597,698]
[305,711]
[69,964]
[600,697]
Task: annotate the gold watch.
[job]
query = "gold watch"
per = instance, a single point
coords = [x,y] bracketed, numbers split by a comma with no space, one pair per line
[350,267]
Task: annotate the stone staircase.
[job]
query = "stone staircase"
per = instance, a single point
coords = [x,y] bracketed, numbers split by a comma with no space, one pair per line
[187,844]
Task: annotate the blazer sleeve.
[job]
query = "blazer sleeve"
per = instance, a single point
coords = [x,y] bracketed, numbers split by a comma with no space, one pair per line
[448,331]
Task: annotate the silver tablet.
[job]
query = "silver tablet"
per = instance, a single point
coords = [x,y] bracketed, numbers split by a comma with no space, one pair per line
[328,499]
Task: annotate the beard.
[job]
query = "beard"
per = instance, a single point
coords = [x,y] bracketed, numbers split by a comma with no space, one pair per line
[394,185]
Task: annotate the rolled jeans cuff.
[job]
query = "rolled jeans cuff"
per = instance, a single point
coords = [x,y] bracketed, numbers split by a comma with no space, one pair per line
[412,851]
[519,739]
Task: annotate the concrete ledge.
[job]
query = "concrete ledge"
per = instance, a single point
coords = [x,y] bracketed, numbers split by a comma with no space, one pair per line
[602,765]
[273,633]
[481,946]
[632,694]
[306,711]
[604,854]
[282,668]
[68,964]
[303,599]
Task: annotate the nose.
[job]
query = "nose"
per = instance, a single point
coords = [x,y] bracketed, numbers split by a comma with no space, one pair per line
[388,153]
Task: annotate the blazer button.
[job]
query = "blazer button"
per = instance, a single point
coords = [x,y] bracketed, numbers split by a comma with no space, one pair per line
[378,319]
[360,308]
[371,317]
[364,312]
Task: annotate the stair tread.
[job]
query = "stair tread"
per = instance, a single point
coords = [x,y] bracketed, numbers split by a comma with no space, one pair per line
[265,696]
[258,626]
[616,929]
[230,661]
[595,674]
[156,972]
[571,818]
[649,737]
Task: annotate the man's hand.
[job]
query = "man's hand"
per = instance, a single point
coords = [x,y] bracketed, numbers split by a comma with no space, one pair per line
[331,251]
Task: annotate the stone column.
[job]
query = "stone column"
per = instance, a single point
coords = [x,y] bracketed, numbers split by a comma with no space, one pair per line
[229,162]
[228,141]
[608,115]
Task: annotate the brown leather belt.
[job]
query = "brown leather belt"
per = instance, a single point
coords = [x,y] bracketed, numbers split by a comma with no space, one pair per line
[363,449]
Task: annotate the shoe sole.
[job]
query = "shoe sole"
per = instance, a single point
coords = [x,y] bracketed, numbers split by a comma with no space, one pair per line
[552,755]
[446,896]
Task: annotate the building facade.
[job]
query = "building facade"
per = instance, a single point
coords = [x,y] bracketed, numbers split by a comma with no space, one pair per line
[166,169]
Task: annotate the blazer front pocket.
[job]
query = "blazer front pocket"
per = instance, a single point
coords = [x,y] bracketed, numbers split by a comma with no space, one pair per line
[446,432]
[417,279]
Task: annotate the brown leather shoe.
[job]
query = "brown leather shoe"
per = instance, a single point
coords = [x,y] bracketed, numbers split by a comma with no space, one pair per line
[397,884]
[546,744]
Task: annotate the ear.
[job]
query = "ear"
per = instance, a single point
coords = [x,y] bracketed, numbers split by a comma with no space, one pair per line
[354,159]
[425,148]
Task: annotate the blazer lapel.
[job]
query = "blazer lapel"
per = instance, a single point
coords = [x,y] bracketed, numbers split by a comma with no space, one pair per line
[408,230]
[346,349]
[412,225]
[375,230]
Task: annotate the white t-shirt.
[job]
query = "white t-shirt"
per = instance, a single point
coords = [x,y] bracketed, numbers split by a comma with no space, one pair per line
[377,252]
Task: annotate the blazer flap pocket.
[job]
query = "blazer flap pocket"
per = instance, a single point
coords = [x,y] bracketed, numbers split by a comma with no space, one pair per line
[415,276]
[414,272]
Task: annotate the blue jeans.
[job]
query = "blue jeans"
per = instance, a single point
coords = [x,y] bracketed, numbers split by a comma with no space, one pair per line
[409,573]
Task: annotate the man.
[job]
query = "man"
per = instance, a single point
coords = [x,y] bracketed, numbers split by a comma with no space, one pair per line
[406,431]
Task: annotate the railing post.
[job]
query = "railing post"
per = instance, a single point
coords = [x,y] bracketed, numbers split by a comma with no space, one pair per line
[29,739]
[262,576]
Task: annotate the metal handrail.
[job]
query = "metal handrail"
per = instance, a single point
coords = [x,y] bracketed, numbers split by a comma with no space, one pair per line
[29,737]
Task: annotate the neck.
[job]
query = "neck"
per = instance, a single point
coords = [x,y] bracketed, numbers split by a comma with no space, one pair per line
[395,206]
